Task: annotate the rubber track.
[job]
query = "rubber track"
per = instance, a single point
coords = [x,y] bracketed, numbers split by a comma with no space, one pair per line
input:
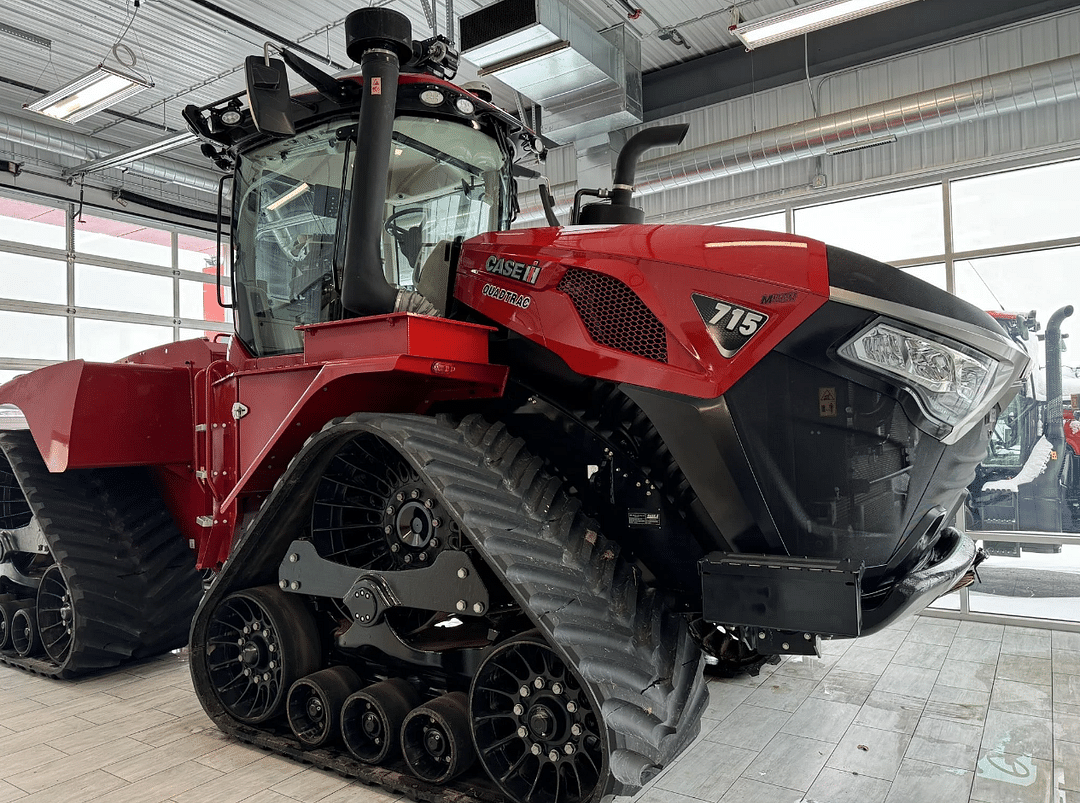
[638,658]
[131,575]
[640,664]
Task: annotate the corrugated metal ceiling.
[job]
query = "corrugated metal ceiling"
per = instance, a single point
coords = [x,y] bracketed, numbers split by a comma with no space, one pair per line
[194,55]
[194,49]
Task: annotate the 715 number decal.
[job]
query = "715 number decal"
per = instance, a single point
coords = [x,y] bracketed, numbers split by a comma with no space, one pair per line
[729,325]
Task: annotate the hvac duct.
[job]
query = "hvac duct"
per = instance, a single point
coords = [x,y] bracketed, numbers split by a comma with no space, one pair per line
[587,83]
[1017,90]
[33,134]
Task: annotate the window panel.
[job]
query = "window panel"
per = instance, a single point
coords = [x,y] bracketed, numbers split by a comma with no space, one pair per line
[1041,581]
[23,222]
[123,290]
[897,225]
[26,278]
[108,341]
[198,254]
[1019,485]
[133,242]
[24,335]
[774,221]
[1020,206]
[199,300]
[188,334]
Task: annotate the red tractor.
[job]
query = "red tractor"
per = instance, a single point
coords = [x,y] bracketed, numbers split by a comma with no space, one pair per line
[485,503]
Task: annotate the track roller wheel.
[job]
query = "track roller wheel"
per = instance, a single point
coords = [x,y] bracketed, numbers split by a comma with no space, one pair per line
[55,614]
[8,610]
[25,637]
[435,738]
[371,719]
[315,703]
[535,730]
[260,641]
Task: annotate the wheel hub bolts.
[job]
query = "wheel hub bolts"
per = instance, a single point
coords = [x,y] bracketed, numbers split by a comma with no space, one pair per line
[541,722]
[434,742]
[371,725]
[314,708]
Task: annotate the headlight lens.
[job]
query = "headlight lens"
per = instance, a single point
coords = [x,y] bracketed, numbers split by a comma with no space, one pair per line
[949,380]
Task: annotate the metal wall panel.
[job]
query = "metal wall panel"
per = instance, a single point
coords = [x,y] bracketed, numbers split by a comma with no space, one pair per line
[1014,135]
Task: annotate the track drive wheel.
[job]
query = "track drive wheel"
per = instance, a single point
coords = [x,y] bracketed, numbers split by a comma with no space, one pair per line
[55,614]
[536,733]
[260,642]
[315,703]
[371,719]
[436,739]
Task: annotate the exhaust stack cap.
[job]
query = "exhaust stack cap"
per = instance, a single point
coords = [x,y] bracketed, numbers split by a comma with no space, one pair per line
[368,28]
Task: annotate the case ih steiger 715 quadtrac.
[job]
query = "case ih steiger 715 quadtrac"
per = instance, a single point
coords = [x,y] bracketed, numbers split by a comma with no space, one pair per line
[485,502]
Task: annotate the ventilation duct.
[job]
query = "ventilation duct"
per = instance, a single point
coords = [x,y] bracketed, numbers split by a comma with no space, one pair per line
[71,144]
[587,83]
[1038,86]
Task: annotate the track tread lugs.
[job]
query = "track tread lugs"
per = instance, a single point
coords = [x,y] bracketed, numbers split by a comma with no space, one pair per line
[131,575]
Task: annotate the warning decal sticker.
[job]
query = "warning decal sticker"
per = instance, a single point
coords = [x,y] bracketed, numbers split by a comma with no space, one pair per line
[827,402]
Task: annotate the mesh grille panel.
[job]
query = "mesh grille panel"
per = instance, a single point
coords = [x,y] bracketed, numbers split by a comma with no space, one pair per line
[494,21]
[613,314]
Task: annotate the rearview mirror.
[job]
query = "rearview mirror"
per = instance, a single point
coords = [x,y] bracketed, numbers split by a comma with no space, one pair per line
[268,95]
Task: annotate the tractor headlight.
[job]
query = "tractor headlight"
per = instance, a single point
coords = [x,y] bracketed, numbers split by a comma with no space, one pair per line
[949,380]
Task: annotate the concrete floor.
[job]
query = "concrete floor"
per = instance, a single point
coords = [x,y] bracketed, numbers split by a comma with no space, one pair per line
[929,710]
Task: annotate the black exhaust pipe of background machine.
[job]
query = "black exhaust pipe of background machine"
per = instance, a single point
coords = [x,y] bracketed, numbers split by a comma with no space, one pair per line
[377,38]
[619,211]
[1055,423]
[1046,488]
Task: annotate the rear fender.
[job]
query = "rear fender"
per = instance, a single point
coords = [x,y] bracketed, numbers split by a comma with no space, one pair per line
[98,415]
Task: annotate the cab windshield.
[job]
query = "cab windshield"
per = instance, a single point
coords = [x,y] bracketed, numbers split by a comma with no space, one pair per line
[447,180]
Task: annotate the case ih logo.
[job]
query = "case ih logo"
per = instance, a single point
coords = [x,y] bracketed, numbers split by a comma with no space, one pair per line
[520,271]
[509,296]
[729,325]
[779,298]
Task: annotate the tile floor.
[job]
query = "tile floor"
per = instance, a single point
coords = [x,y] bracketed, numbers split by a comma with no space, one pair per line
[929,710]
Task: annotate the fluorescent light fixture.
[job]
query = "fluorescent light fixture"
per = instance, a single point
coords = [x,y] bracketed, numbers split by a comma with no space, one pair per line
[807,17]
[861,145]
[98,89]
[163,145]
[295,192]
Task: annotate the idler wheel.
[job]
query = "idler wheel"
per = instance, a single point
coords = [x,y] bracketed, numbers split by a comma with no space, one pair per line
[315,703]
[25,637]
[371,719]
[8,610]
[260,641]
[436,739]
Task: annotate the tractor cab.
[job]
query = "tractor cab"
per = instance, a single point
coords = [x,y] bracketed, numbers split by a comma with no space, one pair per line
[295,164]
